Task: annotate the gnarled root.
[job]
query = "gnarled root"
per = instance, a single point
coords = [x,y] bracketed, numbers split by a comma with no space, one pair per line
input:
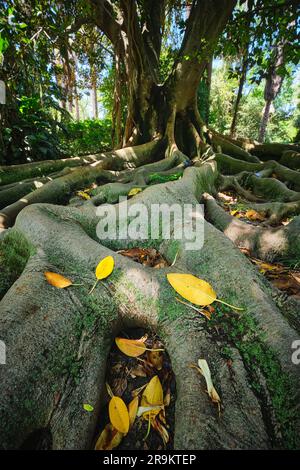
[52,377]
[264,243]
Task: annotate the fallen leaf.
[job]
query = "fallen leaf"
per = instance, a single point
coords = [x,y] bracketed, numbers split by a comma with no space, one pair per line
[155,358]
[205,371]
[88,407]
[138,390]
[264,267]
[195,290]
[132,410]
[161,431]
[134,191]
[132,347]
[145,256]
[109,438]
[253,215]
[167,399]
[57,280]
[234,212]
[118,414]
[119,385]
[83,195]
[191,288]
[147,411]
[153,393]
[138,371]
[105,268]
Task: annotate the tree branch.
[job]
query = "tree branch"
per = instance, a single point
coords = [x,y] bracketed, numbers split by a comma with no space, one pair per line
[204,25]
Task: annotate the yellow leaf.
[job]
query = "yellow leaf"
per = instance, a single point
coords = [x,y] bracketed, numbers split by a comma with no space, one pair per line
[132,410]
[204,369]
[109,438]
[195,290]
[267,266]
[132,347]
[105,268]
[134,191]
[118,414]
[191,288]
[57,280]
[83,194]
[153,393]
[253,215]
[233,212]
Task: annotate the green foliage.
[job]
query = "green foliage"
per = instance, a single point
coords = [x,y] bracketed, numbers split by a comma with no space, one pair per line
[33,135]
[89,136]
[281,127]
[222,99]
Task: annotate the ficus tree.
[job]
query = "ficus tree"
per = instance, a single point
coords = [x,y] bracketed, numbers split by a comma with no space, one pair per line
[58,339]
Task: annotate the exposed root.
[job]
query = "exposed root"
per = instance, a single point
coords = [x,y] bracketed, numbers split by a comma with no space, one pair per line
[264,243]
[291,159]
[57,191]
[222,144]
[272,151]
[13,173]
[53,377]
[231,182]
[232,166]
[277,211]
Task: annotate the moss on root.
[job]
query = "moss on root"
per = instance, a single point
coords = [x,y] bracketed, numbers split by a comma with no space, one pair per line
[242,331]
[14,254]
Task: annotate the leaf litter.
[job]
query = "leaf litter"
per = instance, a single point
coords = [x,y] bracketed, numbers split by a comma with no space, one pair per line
[146,256]
[282,277]
[139,412]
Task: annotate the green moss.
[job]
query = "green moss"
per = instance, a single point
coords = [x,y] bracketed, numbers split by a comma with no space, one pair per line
[99,312]
[14,254]
[242,331]
[156,178]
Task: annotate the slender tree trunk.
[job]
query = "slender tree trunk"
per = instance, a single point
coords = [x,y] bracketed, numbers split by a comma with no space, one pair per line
[77,110]
[272,87]
[264,121]
[76,96]
[116,135]
[94,92]
[239,97]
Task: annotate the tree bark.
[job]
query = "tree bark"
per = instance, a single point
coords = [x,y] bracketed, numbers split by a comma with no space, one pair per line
[272,88]
[94,92]
[239,97]
[264,121]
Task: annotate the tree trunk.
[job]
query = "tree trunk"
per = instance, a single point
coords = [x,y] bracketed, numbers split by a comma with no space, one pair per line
[94,93]
[272,88]
[264,121]
[239,96]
